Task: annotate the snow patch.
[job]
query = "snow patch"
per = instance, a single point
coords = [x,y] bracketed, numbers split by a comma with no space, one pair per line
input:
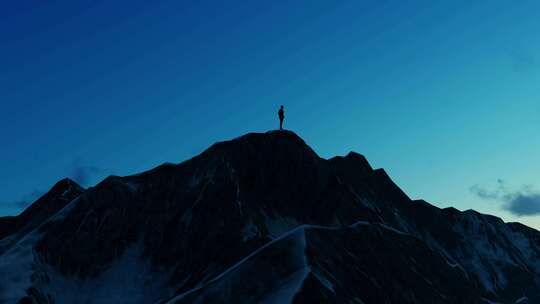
[187,217]
[129,279]
[289,287]
[453,265]
[249,232]
[521,300]
[482,257]
[238,202]
[278,226]
[131,185]
[60,215]
[16,268]
[326,283]
[488,301]
[393,229]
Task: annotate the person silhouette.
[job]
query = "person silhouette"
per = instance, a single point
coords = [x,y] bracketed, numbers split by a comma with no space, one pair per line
[281,114]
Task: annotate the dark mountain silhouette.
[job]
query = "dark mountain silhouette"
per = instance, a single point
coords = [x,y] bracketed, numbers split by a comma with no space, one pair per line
[261,219]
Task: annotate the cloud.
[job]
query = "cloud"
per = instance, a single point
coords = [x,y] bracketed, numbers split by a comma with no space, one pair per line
[83,173]
[489,194]
[483,193]
[523,202]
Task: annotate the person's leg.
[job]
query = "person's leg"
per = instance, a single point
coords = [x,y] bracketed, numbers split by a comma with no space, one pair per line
[281,124]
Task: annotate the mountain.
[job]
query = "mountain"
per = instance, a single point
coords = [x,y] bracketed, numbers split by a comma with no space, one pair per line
[260,219]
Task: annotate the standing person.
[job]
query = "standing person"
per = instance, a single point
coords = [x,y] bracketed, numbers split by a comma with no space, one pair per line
[281,114]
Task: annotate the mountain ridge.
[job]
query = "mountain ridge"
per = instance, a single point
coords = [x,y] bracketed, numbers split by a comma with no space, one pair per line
[185,224]
[44,207]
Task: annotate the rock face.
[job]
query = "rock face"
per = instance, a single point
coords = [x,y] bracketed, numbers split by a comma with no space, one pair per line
[260,219]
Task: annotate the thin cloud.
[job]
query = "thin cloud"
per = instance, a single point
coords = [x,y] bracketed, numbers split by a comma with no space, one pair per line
[83,173]
[524,202]
[24,202]
[484,193]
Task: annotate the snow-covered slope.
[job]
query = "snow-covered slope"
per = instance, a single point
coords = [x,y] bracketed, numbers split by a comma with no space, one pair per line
[260,219]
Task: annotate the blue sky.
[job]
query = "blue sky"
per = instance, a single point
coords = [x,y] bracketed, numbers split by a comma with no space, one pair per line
[442,94]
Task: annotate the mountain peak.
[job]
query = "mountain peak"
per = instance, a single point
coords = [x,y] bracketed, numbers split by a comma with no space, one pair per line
[65,184]
[277,147]
[268,141]
[44,207]
[283,134]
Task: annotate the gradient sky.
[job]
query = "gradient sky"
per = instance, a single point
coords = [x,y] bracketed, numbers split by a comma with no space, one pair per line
[444,95]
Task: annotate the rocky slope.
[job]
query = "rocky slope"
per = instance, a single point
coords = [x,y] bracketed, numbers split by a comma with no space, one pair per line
[261,219]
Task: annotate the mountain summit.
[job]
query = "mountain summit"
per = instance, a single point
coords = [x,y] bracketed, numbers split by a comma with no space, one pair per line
[260,219]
